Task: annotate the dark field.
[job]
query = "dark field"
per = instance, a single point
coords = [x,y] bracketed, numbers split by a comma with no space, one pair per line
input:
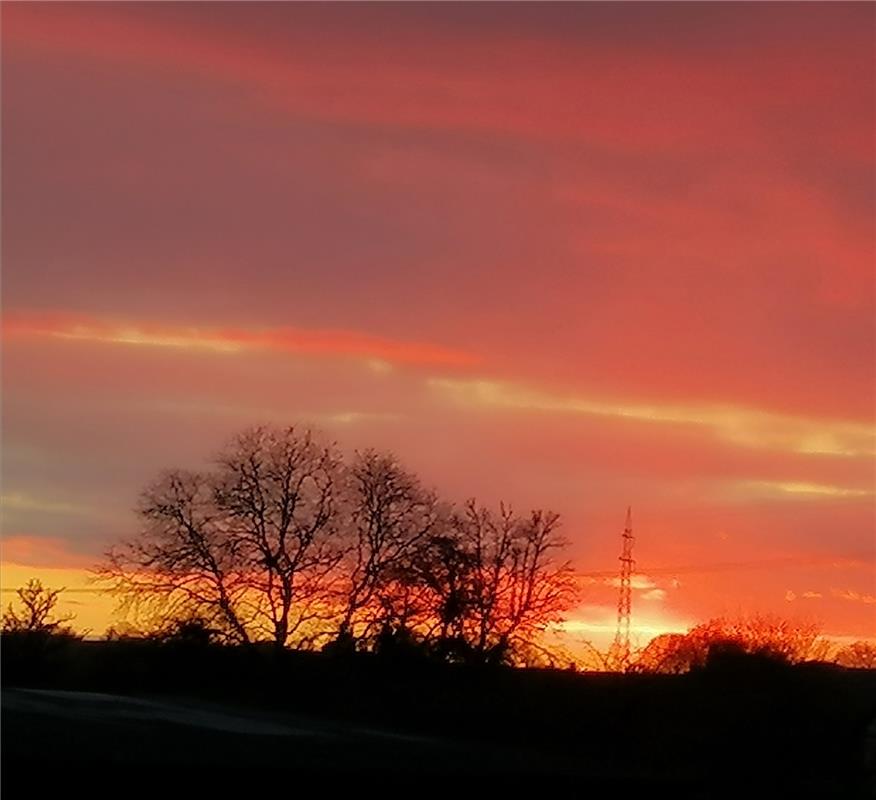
[210,719]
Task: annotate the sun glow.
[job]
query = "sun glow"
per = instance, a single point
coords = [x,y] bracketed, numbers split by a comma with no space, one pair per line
[91,608]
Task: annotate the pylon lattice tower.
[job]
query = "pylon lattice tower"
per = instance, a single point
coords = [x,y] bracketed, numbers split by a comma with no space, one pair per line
[625,597]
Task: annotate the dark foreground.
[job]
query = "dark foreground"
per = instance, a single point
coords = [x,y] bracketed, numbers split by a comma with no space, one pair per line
[121,721]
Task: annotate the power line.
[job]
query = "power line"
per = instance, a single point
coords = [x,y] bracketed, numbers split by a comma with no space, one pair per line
[838,562]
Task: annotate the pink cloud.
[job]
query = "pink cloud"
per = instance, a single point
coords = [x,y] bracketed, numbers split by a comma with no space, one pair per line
[41,551]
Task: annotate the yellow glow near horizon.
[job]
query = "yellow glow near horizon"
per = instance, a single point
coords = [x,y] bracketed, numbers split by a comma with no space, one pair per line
[92,608]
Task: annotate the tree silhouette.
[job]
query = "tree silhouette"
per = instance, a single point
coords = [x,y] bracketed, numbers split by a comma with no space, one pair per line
[391,517]
[517,588]
[495,585]
[36,611]
[277,490]
[35,638]
[247,547]
[184,562]
[768,637]
[283,541]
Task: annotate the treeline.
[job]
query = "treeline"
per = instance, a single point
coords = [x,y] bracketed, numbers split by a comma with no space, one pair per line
[35,637]
[283,540]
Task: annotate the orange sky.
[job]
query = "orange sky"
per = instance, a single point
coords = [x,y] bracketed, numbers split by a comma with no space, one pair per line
[572,255]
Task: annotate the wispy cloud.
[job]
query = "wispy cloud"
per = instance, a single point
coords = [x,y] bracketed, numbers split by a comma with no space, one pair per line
[644,585]
[745,427]
[245,413]
[853,596]
[637,581]
[801,489]
[379,353]
[791,595]
[20,501]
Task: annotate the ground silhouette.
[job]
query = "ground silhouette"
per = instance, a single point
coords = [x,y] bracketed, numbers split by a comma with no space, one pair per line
[737,721]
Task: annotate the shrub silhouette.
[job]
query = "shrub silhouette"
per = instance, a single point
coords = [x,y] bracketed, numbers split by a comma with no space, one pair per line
[35,641]
[731,657]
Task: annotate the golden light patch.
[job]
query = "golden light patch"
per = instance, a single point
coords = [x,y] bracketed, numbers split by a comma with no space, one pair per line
[599,623]
[91,608]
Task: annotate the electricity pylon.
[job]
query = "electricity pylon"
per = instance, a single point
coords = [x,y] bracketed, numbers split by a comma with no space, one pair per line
[625,598]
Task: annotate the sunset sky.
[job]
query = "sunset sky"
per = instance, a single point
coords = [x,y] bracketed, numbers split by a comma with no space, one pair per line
[579,256]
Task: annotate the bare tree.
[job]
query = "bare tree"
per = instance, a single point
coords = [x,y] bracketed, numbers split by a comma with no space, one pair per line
[496,581]
[517,586]
[248,547]
[36,611]
[277,490]
[185,560]
[391,517]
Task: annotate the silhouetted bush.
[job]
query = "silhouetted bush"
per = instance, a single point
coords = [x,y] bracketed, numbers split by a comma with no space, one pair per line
[397,644]
[342,646]
[35,642]
[37,657]
[192,633]
[730,658]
